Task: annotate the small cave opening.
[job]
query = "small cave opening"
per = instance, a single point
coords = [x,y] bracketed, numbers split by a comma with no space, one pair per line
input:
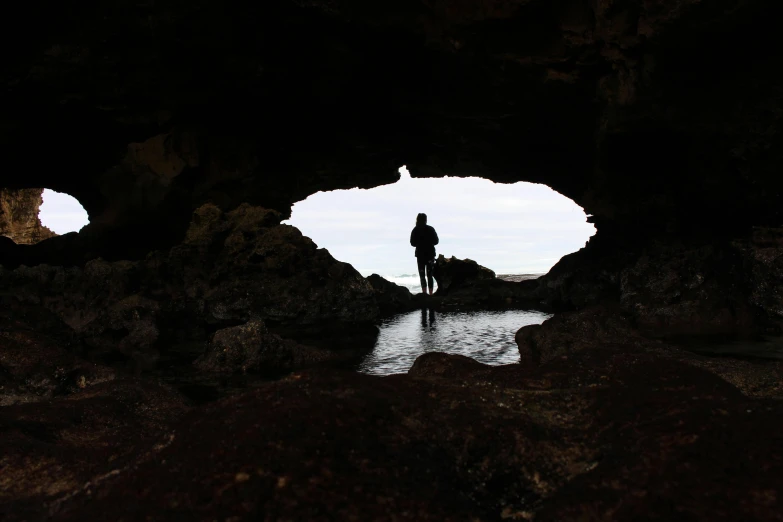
[517,230]
[62,213]
[31,215]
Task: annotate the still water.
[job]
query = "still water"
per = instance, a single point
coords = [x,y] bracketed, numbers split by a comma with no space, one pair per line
[487,337]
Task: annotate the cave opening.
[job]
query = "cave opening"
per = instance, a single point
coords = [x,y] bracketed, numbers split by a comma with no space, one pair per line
[31,215]
[519,229]
[62,213]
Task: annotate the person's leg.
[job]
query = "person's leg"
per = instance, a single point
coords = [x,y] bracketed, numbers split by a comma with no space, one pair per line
[430,270]
[421,263]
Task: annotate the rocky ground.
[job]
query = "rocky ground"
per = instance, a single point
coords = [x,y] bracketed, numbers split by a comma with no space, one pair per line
[606,426]
[598,421]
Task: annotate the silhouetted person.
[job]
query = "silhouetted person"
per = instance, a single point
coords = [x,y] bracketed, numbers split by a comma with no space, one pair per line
[424,238]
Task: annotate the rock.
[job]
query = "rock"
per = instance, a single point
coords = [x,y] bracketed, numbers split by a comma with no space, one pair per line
[601,329]
[251,348]
[454,273]
[54,450]
[572,332]
[391,298]
[38,357]
[468,443]
[230,268]
[19,216]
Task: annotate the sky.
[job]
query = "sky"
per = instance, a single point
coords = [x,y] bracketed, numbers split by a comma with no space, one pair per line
[522,228]
[61,213]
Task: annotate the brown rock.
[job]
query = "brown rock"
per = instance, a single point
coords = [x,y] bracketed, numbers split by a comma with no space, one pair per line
[19,216]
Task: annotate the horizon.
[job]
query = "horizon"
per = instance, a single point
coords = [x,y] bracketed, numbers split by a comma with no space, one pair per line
[520,228]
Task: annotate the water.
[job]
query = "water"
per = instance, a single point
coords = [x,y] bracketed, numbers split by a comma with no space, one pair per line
[487,337]
[411,281]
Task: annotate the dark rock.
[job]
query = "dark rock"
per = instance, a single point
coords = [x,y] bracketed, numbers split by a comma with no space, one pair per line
[391,298]
[454,273]
[581,435]
[677,288]
[230,268]
[583,334]
[56,449]
[38,358]
[251,348]
[572,332]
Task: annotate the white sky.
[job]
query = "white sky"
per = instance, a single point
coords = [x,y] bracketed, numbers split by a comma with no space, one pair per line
[512,229]
[62,213]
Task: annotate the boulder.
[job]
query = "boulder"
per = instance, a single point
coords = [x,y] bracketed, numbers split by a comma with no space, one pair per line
[252,348]
[452,273]
[391,297]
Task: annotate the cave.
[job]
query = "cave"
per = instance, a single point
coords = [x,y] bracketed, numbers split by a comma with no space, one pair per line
[188,354]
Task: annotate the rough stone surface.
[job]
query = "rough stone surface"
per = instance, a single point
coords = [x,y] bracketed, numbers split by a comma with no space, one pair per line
[38,358]
[577,334]
[652,116]
[251,348]
[55,450]
[392,298]
[452,273]
[579,437]
[730,286]
[19,216]
[229,269]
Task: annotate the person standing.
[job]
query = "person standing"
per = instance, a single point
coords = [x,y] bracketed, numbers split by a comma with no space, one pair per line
[424,238]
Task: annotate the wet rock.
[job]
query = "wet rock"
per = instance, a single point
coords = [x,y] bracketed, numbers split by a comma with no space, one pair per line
[457,440]
[452,273]
[572,332]
[56,449]
[583,334]
[251,348]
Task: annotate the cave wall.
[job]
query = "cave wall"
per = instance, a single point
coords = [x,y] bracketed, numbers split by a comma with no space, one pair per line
[652,116]
[19,216]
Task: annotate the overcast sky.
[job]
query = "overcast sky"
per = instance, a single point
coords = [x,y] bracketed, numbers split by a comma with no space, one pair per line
[512,229]
[61,213]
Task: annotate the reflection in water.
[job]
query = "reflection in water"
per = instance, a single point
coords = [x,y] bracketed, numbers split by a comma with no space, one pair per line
[425,314]
[487,337]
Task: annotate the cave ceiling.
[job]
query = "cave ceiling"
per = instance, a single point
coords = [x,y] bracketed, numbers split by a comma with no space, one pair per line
[653,115]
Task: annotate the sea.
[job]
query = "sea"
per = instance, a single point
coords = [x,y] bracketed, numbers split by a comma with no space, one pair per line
[412,283]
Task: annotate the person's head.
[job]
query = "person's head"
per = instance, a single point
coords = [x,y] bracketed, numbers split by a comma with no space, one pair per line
[421,219]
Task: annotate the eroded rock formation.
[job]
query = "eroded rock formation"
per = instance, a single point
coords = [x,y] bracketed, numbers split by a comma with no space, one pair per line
[231,268]
[188,130]
[19,216]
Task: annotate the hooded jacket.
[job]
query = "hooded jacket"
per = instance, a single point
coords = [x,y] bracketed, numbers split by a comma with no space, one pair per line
[424,238]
